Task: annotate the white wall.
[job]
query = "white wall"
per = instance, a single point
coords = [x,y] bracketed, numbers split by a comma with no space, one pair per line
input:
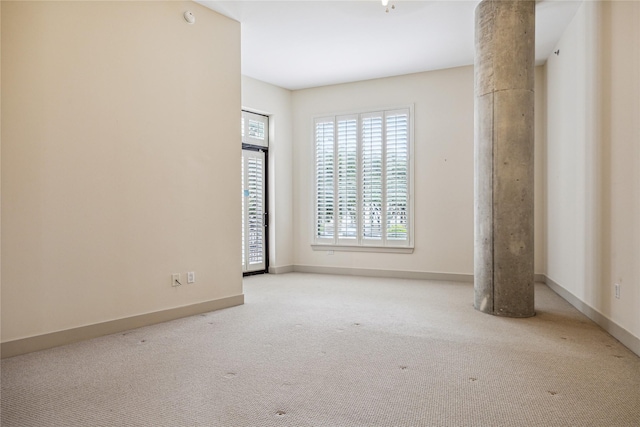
[443,158]
[120,132]
[0,176]
[275,102]
[593,161]
[540,171]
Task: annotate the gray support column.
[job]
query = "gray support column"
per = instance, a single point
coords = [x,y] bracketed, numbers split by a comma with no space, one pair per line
[504,182]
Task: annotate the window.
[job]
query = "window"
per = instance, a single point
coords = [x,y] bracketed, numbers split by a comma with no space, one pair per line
[363,180]
[255,129]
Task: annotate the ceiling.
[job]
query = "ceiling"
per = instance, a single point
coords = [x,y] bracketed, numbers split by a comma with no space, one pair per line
[303,44]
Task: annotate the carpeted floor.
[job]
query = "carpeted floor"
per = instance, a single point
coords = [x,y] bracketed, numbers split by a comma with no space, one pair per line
[321,350]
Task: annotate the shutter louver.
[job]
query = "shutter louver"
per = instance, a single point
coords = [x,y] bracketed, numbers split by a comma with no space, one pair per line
[324,135]
[397,157]
[372,178]
[243,208]
[255,209]
[347,178]
[256,129]
[363,179]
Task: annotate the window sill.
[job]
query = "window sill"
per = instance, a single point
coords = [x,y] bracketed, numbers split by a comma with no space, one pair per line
[346,248]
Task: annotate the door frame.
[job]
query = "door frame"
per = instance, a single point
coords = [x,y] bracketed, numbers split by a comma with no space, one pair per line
[265,151]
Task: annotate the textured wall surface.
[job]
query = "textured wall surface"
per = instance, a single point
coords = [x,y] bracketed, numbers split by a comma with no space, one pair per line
[504,158]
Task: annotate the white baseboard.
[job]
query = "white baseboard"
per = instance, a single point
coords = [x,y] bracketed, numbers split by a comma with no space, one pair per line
[397,274]
[618,332]
[54,339]
[68,336]
[281,269]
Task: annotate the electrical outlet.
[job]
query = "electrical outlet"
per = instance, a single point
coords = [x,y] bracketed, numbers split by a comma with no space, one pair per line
[175,279]
[191,277]
[329,252]
[616,289]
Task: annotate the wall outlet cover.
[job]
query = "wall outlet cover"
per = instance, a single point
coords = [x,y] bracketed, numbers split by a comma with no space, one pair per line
[175,279]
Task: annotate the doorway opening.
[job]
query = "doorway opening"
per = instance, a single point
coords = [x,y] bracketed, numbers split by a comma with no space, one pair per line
[255,236]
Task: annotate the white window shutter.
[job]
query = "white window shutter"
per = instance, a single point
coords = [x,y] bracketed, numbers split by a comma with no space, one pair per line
[325,173]
[243,215]
[347,181]
[371,173]
[253,231]
[363,180]
[255,129]
[397,175]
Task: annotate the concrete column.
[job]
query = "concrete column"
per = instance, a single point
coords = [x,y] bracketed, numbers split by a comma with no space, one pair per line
[504,182]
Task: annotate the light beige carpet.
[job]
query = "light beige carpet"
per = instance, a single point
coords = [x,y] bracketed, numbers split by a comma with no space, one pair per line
[321,350]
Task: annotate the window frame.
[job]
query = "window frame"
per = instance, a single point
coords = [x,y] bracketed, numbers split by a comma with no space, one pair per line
[263,121]
[359,243]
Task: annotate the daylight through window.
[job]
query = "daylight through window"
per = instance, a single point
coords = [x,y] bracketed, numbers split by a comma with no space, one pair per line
[362,179]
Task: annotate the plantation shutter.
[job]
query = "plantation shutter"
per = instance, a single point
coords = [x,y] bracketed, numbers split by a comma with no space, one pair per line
[324,172]
[372,196]
[253,238]
[347,182]
[244,184]
[255,129]
[362,180]
[397,175]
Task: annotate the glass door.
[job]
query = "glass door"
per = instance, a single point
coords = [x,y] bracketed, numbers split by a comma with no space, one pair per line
[253,211]
[255,143]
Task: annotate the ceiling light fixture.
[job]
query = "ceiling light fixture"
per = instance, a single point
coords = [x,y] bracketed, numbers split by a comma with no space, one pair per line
[385,4]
